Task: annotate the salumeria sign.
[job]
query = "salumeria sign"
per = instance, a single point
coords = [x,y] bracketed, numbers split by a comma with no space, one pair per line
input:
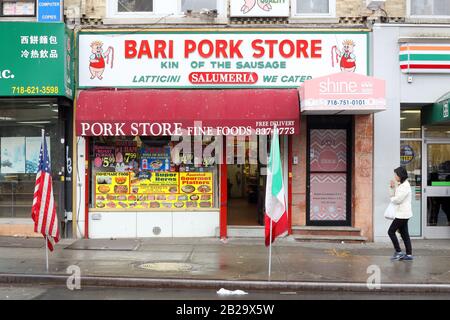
[190,59]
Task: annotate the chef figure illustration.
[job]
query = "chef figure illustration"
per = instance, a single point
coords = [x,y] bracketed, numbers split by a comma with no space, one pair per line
[97,59]
[346,57]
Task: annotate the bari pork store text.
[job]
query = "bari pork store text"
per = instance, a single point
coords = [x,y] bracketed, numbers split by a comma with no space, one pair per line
[213,59]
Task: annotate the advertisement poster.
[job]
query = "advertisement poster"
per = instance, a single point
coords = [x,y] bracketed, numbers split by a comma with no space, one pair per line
[32,151]
[112,189]
[155,159]
[193,59]
[12,155]
[156,182]
[104,156]
[154,190]
[328,150]
[406,154]
[126,152]
[328,196]
[197,186]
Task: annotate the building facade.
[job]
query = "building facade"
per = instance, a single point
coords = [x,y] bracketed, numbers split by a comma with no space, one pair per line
[417,77]
[327,152]
[36,92]
[338,159]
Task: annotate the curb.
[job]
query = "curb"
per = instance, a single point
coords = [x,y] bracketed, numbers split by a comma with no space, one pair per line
[129,282]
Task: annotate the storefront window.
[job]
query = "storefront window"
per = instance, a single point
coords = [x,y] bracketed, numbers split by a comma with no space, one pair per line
[14,8]
[410,125]
[140,173]
[437,132]
[20,141]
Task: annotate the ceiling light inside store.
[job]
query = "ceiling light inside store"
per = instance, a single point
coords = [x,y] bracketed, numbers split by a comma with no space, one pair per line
[55,110]
[410,111]
[414,129]
[6,118]
[33,122]
[402,118]
[406,131]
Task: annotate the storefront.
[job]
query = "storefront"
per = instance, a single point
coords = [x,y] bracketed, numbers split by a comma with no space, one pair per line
[36,89]
[416,127]
[172,128]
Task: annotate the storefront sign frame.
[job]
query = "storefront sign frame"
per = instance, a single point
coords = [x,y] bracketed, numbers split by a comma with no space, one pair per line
[37,60]
[343,93]
[135,60]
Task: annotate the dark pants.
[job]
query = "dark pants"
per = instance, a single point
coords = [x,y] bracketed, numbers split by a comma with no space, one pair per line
[402,226]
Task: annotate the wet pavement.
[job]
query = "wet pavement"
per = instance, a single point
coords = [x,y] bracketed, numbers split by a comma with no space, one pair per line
[237,259]
[104,293]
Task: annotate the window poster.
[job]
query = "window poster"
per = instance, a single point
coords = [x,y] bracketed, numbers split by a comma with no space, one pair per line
[126,153]
[155,158]
[12,155]
[328,196]
[328,150]
[32,151]
[155,190]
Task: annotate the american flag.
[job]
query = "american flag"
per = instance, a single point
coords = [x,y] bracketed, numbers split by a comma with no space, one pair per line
[43,210]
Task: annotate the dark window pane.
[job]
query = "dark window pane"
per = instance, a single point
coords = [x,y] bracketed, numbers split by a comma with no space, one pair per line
[135,5]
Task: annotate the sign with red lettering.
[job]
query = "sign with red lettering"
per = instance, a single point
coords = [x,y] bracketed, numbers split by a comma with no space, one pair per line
[201,59]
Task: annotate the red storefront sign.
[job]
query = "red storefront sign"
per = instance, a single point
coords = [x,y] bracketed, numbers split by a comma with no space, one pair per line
[191,112]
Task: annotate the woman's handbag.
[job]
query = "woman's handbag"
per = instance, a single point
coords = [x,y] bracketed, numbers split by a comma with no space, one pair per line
[390,212]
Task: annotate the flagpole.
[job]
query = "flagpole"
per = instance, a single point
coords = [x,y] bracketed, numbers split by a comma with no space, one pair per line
[46,236]
[46,252]
[270,249]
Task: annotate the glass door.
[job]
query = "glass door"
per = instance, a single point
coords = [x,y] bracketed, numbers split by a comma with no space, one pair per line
[328,172]
[436,191]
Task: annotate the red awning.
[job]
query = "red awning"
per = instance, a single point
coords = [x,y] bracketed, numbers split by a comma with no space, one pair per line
[164,112]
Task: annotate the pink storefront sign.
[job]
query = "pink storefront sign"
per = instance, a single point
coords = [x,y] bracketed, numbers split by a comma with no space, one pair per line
[343,93]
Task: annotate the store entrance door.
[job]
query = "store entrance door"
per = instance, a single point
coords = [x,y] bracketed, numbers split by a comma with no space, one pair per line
[328,181]
[436,191]
[245,185]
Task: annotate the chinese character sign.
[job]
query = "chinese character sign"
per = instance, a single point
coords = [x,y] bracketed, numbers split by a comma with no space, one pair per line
[33,62]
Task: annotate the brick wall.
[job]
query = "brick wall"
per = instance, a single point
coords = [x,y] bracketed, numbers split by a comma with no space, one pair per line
[96,9]
[356,8]
[299,176]
[362,175]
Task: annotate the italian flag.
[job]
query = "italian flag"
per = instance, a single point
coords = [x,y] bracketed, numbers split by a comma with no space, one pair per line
[276,214]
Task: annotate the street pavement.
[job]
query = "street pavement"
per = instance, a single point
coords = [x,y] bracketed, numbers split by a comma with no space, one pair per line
[45,292]
[238,259]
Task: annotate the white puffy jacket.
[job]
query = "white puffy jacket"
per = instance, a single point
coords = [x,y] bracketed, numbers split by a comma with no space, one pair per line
[401,197]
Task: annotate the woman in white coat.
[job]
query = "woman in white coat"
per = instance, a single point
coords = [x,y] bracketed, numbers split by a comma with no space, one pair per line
[400,192]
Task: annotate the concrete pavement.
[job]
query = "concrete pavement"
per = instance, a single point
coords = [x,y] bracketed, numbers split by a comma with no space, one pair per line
[45,292]
[238,263]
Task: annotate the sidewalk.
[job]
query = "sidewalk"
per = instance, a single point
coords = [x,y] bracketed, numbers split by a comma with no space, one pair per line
[239,263]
